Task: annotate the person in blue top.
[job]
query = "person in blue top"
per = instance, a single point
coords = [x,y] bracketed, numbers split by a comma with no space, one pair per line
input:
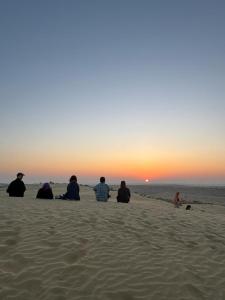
[72,190]
[102,190]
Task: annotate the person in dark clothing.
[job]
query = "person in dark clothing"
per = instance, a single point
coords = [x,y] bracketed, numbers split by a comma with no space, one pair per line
[45,192]
[17,187]
[123,193]
[72,190]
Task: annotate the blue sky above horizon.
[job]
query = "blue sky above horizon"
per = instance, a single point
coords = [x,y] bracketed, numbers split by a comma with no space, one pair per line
[128,89]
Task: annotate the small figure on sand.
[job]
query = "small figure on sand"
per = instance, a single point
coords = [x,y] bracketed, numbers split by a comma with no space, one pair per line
[102,190]
[45,192]
[17,187]
[73,190]
[177,200]
[123,193]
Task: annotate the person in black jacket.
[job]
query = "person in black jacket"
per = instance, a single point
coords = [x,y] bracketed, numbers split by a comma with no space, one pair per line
[123,193]
[17,187]
[45,192]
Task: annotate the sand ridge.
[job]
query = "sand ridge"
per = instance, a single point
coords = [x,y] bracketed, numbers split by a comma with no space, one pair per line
[89,250]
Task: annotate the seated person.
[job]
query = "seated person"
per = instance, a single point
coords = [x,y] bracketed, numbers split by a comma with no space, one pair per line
[123,193]
[102,190]
[72,190]
[45,192]
[17,187]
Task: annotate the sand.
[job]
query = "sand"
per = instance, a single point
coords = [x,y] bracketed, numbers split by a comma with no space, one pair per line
[147,249]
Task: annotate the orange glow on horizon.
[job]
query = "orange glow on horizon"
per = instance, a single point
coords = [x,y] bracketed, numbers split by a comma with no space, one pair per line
[119,165]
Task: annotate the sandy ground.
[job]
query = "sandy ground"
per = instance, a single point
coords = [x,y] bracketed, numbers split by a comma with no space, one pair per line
[147,249]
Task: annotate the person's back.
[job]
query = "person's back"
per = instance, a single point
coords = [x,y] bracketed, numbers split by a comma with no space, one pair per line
[123,193]
[16,188]
[72,191]
[102,190]
[45,192]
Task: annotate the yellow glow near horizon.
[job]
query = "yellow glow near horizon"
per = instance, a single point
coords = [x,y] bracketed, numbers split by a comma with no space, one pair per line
[122,165]
[139,162]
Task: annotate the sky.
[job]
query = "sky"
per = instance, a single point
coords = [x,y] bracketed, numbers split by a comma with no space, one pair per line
[126,89]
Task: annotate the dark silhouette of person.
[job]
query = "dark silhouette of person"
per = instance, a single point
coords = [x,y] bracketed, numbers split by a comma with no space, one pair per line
[72,190]
[123,193]
[45,192]
[17,187]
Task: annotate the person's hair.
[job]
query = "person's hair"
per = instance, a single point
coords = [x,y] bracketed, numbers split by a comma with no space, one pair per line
[102,179]
[73,178]
[123,184]
[19,174]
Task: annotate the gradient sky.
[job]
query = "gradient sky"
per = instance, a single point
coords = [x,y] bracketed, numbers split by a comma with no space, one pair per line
[122,88]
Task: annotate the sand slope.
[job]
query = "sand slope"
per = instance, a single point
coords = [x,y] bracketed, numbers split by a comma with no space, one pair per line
[88,250]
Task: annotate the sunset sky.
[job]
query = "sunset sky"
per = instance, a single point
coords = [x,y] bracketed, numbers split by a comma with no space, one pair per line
[127,89]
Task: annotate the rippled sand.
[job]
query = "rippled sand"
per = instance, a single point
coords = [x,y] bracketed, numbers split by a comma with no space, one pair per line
[56,250]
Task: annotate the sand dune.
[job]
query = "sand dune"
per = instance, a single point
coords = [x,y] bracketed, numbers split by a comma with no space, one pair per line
[62,250]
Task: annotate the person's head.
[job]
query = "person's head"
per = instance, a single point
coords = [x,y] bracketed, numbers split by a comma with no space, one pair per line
[73,178]
[177,194]
[102,179]
[46,186]
[20,175]
[123,184]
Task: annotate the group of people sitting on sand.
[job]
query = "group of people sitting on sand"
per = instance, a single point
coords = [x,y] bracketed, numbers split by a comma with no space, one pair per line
[17,188]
